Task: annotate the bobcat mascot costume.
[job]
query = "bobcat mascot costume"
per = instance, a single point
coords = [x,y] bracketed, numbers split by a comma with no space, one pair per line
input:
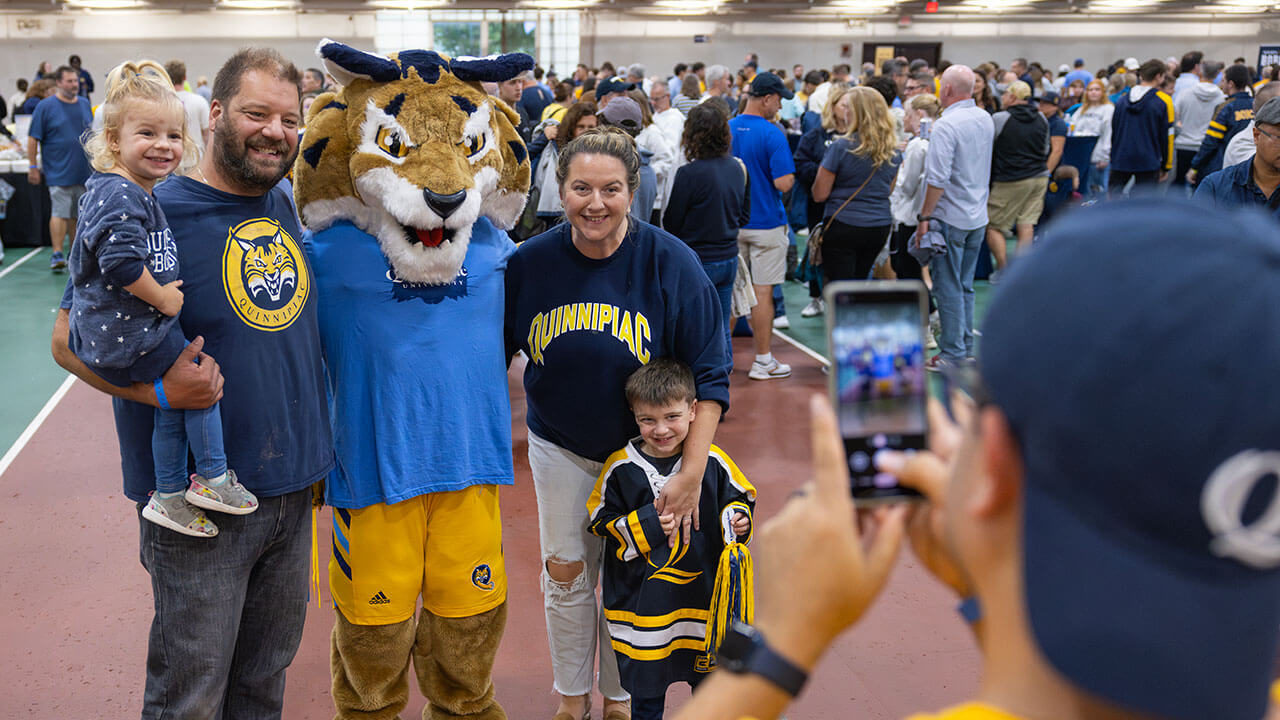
[402,177]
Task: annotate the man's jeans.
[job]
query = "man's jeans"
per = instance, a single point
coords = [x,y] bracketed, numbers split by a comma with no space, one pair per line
[229,611]
[952,274]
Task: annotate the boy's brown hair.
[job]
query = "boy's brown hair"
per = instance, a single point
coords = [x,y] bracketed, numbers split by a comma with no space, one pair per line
[662,381]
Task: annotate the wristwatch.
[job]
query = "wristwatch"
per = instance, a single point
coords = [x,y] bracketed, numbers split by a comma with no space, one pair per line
[743,650]
[924,218]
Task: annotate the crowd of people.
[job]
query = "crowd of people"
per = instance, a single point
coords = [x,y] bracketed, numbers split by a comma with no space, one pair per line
[664,207]
[883,156]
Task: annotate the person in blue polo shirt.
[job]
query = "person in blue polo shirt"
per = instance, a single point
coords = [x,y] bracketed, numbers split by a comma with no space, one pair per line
[763,241]
[229,610]
[1255,181]
[56,127]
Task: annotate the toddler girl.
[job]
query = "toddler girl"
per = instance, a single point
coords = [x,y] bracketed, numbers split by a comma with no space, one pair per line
[125,301]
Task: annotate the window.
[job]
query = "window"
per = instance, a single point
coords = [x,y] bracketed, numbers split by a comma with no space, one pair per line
[513,36]
[457,38]
[550,37]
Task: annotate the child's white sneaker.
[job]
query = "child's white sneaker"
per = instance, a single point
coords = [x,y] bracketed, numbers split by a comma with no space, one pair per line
[178,515]
[227,496]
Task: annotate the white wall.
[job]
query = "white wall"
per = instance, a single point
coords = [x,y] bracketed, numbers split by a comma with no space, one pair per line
[202,40]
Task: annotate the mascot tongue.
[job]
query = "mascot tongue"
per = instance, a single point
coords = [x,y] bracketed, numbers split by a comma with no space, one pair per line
[430,238]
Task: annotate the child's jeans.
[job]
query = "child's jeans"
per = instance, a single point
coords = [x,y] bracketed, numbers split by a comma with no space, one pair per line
[173,430]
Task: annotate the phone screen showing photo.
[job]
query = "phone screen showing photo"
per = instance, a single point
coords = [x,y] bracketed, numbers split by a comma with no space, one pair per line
[877,346]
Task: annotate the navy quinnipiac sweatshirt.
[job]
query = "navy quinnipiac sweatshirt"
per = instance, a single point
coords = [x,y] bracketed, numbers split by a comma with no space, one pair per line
[587,324]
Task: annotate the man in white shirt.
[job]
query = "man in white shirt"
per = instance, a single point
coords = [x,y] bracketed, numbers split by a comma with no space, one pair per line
[195,107]
[669,120]
[957,171]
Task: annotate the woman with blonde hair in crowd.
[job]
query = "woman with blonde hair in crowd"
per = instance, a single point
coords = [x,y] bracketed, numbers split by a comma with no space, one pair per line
[808,157]
[1092,118]
[855,179]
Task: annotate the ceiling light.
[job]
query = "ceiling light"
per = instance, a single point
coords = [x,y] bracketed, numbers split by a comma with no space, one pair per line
[557,4]
[1233,9]
[861,6]
[409,5]
[991,6]
[256,4]
[107,4]
[703,5]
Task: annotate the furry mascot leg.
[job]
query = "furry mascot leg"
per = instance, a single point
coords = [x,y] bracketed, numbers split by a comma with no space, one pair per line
[454,661]
[370,668]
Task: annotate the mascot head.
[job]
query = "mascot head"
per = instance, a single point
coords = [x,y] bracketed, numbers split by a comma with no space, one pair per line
[412,151]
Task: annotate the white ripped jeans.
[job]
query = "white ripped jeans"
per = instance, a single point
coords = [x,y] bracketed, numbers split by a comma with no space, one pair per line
[563,482]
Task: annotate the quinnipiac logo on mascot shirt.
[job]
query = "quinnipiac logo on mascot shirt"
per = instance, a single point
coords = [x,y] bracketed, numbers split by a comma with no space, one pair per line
[264,274]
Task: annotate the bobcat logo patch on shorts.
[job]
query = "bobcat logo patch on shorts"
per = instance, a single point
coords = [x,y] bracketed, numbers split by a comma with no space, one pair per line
[482,577]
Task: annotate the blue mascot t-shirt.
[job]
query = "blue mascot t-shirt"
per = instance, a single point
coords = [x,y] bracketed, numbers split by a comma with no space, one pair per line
[434,415]
[251,294]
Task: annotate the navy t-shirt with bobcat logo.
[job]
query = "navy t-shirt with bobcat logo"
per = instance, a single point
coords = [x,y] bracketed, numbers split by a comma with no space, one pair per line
[250,292]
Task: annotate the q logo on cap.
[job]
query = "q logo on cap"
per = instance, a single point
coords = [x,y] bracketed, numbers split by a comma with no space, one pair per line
[1223,501]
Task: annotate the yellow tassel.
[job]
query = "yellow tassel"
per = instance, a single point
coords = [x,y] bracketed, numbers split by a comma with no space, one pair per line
[315,556]
[734,593]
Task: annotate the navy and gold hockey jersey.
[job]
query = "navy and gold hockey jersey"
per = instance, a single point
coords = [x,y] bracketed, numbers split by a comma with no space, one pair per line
[657,598]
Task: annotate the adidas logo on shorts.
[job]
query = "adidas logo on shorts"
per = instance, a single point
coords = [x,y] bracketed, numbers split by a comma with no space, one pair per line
[379,599]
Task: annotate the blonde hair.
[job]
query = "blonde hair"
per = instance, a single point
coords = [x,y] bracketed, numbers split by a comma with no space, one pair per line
[128,84]
[869,118]
[829,110]
[926,103]
[609,140]
[1084,98]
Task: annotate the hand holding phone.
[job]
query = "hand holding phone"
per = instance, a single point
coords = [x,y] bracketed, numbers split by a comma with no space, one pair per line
[877,381]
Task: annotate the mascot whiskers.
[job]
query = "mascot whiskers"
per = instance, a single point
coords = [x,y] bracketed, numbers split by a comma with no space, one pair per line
[406,178]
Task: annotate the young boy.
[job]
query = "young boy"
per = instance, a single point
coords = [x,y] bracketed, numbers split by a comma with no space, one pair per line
[657,599]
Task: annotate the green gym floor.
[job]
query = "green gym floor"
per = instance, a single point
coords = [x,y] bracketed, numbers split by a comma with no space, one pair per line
[29,294]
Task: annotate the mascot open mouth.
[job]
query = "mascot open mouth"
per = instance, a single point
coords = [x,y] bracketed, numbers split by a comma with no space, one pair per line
[428,238]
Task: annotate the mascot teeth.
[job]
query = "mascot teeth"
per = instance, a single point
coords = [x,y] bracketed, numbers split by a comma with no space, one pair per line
[429,238]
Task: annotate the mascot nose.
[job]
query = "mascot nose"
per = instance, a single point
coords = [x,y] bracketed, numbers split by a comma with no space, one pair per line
[444,205]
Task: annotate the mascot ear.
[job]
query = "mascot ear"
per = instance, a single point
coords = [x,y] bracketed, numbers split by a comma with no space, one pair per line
[494,68]
[346,63]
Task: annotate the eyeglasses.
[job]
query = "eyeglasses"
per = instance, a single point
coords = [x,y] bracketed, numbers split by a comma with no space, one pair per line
[1264,132]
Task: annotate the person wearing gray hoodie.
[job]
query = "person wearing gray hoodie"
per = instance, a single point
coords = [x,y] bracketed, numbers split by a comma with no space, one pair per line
[1194,108]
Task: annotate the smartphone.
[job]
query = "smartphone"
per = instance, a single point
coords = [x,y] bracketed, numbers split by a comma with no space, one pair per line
[875,333]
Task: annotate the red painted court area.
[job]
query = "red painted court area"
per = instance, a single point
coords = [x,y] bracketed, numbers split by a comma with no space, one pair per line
[76,604]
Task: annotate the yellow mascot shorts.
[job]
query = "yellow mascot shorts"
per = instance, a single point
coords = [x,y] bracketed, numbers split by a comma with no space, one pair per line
[445,547]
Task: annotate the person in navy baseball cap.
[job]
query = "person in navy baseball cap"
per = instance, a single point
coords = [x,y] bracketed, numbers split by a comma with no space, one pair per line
[610,88]
[1107,502]
[1124,356]
[766,83]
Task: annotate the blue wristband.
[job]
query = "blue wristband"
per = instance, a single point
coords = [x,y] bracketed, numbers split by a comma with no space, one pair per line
[160,398]
[970,609]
